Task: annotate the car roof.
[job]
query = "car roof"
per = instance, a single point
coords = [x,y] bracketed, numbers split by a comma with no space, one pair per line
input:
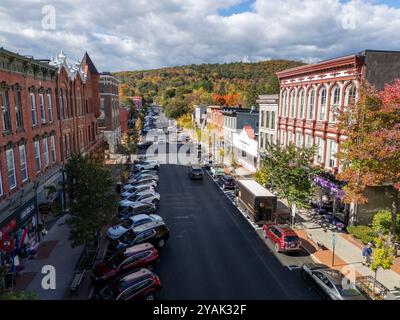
[196,167]
[136,275]
[138,248]
[147,226]
[334,275]
[139,217]
[286,230]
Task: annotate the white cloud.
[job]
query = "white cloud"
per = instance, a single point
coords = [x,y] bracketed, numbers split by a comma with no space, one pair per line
[138,34]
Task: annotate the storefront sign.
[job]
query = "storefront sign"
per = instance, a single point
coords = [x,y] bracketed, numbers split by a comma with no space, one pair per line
[333,188]
[7,244]
[27,211]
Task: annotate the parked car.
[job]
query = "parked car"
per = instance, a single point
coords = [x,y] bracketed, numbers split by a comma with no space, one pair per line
[142,177]
[329,282]
[143,173]
[139,285]
[195,172]
[140,188]
[144,196]
[207,163]
[132,187]
[217,171]
[226,182]
[155,232]
[149,164]
[136,257]
[283,237]
[128,209]
[129,223]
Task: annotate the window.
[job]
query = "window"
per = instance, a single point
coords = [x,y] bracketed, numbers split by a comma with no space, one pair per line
[290,137]
[320,150]
[332,153]
[292,103]
[267,121]
[302,98]
[272,119]
[322,103]
[18,110]
[299,141]
[285,102]
[262,140]
[283,138]
[42,112]
[53,149]
[262,118]
[46,152]
[335,104]
[1,186]
[350,98]
[60,97]
[5,109]
[309,143]
[50,107]
[22,158]
[33,107]
[37,157]
[12,182]
[311,105]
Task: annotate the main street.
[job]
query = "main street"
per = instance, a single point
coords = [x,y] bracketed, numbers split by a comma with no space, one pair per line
[213,252]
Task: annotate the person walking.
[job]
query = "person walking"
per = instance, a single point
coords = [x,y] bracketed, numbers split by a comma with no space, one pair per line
[367,253]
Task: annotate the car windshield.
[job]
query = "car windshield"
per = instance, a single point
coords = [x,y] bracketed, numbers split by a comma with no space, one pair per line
[127,223]
[291,238]
[347,292]
[126,238]
[196,170]
[115,261]
[108,293]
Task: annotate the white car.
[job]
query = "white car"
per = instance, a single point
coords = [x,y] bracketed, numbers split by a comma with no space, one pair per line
[144,197]
[143,177]
[129,223]
[132,187]
[138,196]
[148,165]
[145,187]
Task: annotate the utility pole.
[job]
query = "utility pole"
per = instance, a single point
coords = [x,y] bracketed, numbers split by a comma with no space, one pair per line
[334,247]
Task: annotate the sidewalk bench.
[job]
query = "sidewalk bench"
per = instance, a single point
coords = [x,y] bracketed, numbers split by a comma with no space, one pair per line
[319,244]
[76,281]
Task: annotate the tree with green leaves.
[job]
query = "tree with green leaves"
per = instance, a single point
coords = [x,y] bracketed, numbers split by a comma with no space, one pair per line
[92,200]
[290,171]
[383,256]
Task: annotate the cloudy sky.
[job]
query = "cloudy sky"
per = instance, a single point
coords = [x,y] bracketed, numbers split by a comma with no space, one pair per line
[145,34]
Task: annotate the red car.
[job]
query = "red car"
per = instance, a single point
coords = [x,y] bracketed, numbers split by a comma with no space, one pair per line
[136,257]
[283,237]
[140,285]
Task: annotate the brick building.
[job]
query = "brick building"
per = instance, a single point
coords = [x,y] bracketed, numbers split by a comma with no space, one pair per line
[109,122]
[311,98]
[29,148]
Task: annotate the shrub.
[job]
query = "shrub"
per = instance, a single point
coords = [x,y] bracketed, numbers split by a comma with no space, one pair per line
[382,220]
[364,233]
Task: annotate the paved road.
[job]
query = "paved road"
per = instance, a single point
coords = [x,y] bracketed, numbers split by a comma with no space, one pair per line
[213,252]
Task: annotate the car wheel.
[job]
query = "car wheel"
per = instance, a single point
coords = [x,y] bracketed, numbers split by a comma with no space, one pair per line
[161,243]
[157,167]
[156,202]
[150,296]
[277,249]
[264,233]
[223,187]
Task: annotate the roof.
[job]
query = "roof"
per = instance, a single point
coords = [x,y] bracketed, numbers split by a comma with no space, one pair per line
[249,131]
[135,275]
[257,189]
[87,61]
[138,248]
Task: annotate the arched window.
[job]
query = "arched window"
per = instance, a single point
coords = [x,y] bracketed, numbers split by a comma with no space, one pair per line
[322,103]
[302,98]
[350,96]
[285,104]
[311,104]
[335,104]
[292,103]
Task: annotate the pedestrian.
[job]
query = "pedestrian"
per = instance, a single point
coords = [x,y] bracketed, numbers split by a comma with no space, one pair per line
[367,253]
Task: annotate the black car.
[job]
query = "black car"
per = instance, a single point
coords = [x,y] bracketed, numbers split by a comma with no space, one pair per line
[138,208]
[155,232]
[195,172]
[226,182]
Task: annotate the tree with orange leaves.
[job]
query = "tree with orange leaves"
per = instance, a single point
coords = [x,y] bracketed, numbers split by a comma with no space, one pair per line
[371,153]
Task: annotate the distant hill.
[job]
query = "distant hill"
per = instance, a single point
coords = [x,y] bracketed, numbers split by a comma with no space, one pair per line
[179,88]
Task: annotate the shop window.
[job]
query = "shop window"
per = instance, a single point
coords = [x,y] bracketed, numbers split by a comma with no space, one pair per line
[22,158]
[37,157]
[33,109]
[12,182]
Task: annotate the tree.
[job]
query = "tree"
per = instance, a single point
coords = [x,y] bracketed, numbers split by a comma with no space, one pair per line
[273,86]
[371,153]
[129,145]
[290,171]
[91,199]
[383,256]
[21,295]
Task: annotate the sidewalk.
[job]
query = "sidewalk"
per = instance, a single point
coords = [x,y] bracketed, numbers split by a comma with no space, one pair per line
[347,251]
[54,250]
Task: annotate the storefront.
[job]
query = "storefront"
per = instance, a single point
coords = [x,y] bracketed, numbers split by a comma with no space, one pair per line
[22,228]
[245,149]
[329,197]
